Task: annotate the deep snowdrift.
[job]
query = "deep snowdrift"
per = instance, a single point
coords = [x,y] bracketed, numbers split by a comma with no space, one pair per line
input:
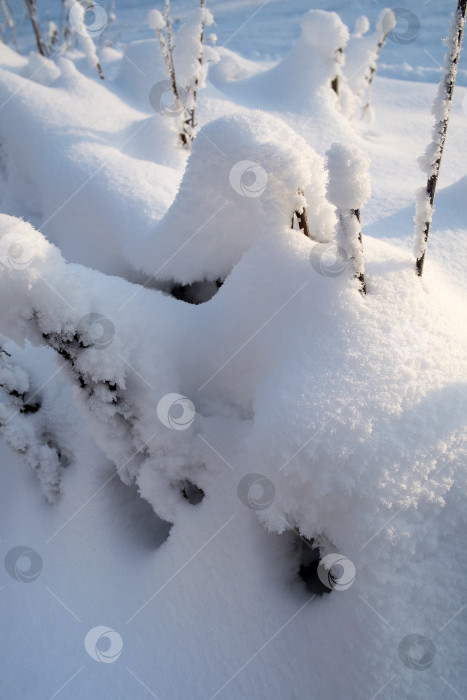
[293,402]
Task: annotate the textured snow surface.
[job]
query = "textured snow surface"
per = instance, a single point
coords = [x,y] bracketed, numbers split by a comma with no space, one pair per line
[288,402]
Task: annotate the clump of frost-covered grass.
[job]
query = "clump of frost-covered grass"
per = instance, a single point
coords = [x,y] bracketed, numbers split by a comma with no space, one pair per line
[327,71]
[349,188]
[77,13]
[361,57]
[186,58]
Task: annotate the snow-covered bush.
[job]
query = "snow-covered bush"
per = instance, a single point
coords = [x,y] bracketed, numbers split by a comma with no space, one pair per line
[85,34]
[186,57]
[306,75]
[129,350]
[327,69]
[105,367]
[361,58]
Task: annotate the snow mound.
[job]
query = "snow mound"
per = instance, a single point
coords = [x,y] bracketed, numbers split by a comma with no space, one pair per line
[231,67]
[324,31]
[141,66]
[243,180]
[303,78]
[103,173]
[288,403]
[337,419]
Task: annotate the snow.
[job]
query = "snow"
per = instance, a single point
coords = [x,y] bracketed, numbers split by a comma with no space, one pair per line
[156,20]
[257,166]
[431,160]
[157,492]
[423,216]
[362,25]
[442,105]
[85,31]
[299,80]
[349,184]
[349,188]
[188,50]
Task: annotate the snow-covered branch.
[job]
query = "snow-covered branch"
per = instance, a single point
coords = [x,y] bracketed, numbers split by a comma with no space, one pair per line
[9,22]
[162,25]
[70,308]
[431,161]
[348,189]
[32,12]
[24,428]
[361,59]
[186,58]
[77,21]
